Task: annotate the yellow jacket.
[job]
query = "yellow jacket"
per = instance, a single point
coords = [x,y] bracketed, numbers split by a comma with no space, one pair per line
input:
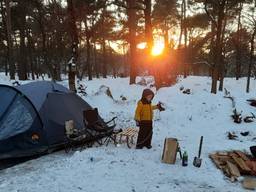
[144,112]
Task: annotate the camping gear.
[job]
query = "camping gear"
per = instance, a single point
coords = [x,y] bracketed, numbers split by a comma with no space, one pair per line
[197,160]
[76,137]
[171,147]
[253,150]
[97,129]
[185,159]
[33,116]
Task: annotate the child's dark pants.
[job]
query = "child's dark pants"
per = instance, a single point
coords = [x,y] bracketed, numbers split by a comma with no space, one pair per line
[145,134]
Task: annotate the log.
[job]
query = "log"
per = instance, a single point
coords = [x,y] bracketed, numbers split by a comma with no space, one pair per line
[242,165]
[218,160]
[249,183]
[242,155]
[234,171]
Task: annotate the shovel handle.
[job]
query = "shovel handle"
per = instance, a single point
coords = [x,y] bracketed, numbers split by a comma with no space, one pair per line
[200,146]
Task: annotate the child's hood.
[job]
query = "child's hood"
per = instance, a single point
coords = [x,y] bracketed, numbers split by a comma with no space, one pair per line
[145,93]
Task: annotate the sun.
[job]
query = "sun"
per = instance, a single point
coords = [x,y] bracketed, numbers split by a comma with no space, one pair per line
[142,45]
[157,49]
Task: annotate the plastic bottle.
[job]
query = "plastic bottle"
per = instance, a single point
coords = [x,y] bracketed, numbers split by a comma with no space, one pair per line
[185,159]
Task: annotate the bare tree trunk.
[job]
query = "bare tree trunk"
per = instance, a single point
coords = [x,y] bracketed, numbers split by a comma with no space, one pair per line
[44,39]
[30,56]
[6,34]
[88,60]
[9,40]
[166,39]
[22,64]
[131,12]
[96,64]
[251,61]
[181,24]
[185,39]
[148,24]
[222,63]
[218,47]
[104,67]
[74,47]
[238,46]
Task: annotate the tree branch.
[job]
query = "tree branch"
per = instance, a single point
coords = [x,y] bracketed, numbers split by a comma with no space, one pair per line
[209,14]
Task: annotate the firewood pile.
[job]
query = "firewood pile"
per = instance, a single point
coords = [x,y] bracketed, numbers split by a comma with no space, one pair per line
[234,164]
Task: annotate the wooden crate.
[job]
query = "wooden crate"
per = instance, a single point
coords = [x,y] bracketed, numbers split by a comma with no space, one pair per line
[170,150]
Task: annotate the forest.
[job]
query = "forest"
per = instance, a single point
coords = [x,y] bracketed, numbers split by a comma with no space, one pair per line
[97,38]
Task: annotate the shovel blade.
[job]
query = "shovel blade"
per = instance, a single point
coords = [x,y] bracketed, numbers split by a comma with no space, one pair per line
[197,162]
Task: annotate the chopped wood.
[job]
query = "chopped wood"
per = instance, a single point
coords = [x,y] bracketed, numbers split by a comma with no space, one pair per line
[217,162]
[249,183]
[234,171]
[233,179]
[242,155]
[233,154]
[252,166]
[242,165]
[226,171]
[234,164]
[222,153]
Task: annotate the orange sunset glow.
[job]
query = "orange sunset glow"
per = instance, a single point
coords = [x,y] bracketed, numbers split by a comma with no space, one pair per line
[157,48]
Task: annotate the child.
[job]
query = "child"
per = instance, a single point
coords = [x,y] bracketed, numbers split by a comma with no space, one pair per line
[144,117]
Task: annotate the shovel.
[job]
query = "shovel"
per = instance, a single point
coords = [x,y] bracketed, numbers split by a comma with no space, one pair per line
[197,160]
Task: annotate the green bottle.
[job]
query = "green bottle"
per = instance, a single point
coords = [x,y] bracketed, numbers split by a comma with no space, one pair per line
[185,159]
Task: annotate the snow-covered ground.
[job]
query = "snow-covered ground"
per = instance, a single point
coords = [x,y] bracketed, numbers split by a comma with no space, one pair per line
[119,169]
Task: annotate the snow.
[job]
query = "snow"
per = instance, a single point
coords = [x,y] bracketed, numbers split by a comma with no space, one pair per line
[116,169]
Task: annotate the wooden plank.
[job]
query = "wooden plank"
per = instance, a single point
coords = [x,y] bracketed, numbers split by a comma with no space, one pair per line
[241,164]
[226,171]
[222,153]
[216,161]
[242,155]
[249,183]
[221,158]
[233,155]
[234,171]
[252,166]
[226,158]
[170,150]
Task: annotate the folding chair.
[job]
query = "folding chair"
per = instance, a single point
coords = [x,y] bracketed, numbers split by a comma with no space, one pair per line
[75,137]
[97,128]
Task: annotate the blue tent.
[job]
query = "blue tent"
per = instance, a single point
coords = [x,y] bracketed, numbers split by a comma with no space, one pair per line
[32,117]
